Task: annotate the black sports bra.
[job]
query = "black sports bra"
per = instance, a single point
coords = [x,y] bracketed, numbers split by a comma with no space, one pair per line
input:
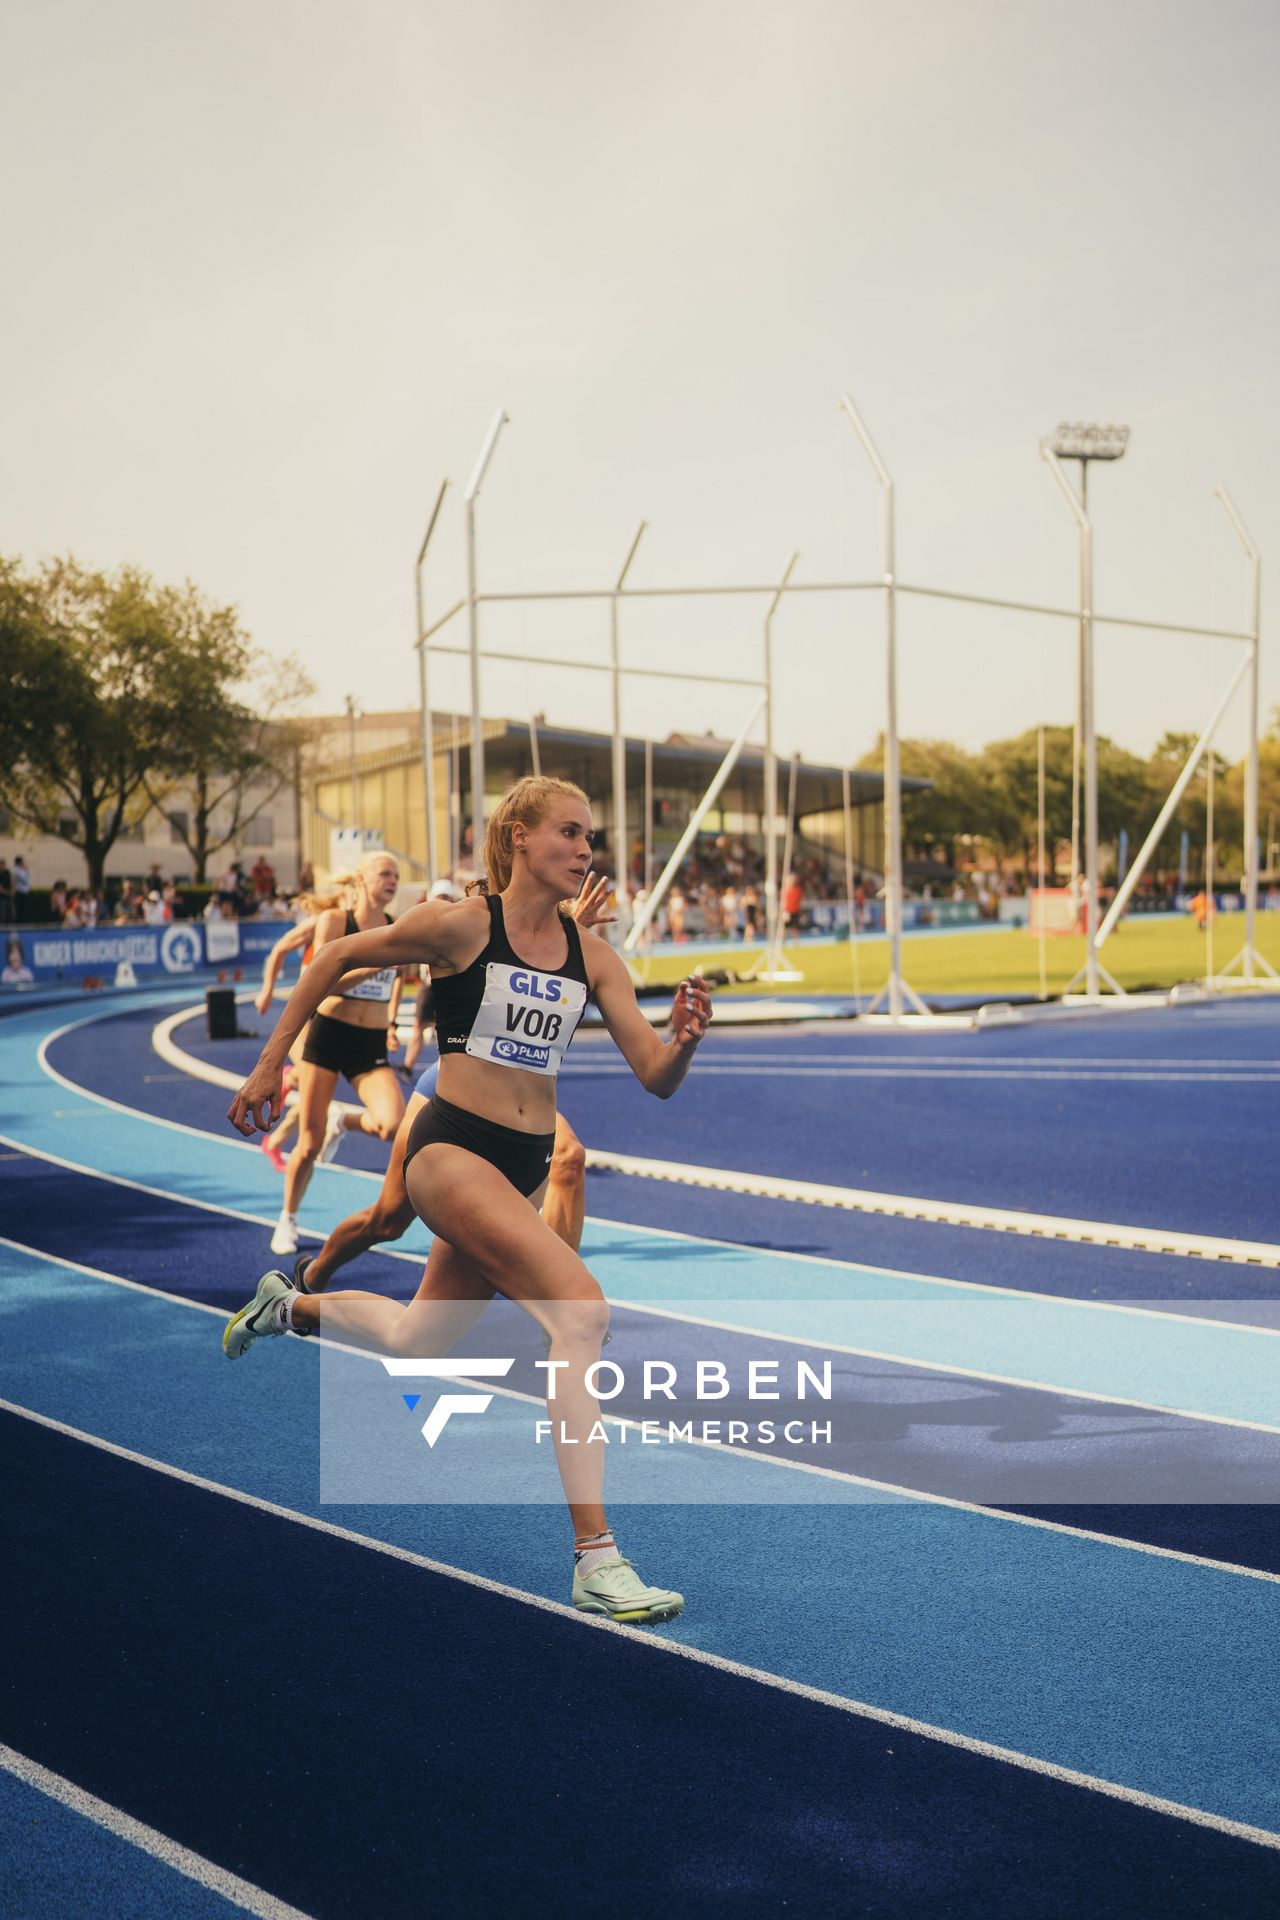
[502,1010]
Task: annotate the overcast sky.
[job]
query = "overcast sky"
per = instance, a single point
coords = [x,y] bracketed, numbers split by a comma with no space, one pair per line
[272,267]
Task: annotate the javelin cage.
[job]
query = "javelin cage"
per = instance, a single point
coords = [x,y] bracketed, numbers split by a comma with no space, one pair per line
[902,1005]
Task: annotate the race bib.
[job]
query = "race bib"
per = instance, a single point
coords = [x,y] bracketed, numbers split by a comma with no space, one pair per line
[526,1019]
[377,987]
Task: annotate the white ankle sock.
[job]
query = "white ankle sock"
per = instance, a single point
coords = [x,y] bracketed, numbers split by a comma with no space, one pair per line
[600,1551]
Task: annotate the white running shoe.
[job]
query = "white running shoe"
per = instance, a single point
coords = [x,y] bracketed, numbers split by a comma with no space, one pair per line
[333,1133]
[617,1591]
[285,1237]
[257,1321]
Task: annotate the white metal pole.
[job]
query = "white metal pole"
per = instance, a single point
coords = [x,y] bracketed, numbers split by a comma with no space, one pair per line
[1169,808]
[355,770]
[621,861]
[647,880]
[473,630]
[687,838]
[1251,764]
[892,773]
[428,751]
[1040,849]
[772,941]
[534,755]
[455,796]
[848,880]
[1208,869]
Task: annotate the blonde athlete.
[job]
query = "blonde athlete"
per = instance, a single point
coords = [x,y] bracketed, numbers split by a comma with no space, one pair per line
[511,977]
[302,935]
[351,1032]
[564,1204]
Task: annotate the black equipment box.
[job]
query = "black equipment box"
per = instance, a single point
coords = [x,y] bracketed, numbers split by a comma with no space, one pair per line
[220,1012]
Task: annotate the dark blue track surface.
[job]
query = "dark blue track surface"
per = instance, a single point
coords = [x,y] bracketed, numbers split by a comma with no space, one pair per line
[364,1764]
[358,1734]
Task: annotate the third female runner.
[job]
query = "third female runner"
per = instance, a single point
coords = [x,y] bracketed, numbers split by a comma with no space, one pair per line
[511,979]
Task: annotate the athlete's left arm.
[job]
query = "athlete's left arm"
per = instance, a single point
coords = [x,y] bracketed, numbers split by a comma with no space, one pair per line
[658,1065]
[403,975]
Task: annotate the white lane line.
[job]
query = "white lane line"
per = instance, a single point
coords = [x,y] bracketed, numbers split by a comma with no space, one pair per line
[192,1866]
[945,1736]
[982,1287]
[666,1233]
[891,1489]
[1253,1253]
[913,1207]
[1038,1226]
[166,1046]
[180,1199]
[997,1062]
[118,1106]
[941,1366]
[780,1070]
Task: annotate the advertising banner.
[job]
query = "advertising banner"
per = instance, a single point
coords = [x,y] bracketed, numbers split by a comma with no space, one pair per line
[125,956]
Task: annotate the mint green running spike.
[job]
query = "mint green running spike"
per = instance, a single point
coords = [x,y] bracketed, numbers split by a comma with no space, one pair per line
[617,1591]
[257,1321]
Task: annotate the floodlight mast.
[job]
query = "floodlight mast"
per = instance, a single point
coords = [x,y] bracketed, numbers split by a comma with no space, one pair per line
[1091,968]
[496,425]
[1249,956]
[428,745]
[1083,443]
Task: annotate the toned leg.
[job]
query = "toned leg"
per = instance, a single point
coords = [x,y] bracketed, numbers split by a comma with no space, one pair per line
[494,1240]
[565,1206]
[385,1219]
[382,1105]
[316,1086]
[451,1297]
[285,1131]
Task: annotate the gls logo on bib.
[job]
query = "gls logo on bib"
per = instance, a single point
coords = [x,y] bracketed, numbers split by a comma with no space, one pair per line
[526,1019]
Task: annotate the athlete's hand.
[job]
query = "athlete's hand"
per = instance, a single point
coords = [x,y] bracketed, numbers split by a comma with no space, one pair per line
[589,907]
[262,1001]
[393,1040]
[690,1012]
[259,1103]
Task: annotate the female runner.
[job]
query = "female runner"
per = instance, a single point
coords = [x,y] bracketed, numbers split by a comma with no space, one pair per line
[564,1204]
[352,1031]
[303,935]
[511,977]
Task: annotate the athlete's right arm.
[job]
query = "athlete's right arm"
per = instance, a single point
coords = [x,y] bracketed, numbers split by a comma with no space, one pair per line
[288,943]
[439,933]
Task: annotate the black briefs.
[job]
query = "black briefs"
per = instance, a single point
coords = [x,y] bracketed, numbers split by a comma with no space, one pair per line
[343,1047]
[525,1158]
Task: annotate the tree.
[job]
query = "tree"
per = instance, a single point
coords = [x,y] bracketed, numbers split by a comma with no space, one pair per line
[82,655]
[950,808]
[1009,773]
[232,735]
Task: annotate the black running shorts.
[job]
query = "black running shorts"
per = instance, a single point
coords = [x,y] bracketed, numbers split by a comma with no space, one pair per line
[343,1047]
[525,1158]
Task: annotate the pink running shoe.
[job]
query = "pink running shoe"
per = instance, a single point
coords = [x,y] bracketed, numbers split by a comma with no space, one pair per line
[273,1154]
